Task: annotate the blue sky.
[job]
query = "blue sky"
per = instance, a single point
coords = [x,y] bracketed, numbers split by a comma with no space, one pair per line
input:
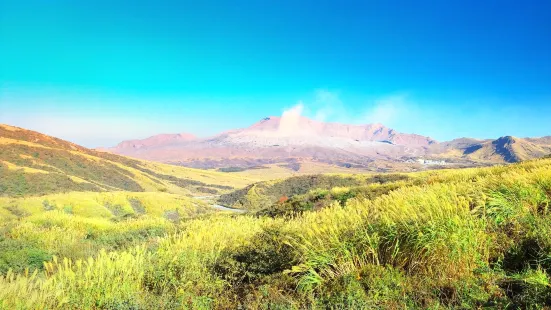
[97,72]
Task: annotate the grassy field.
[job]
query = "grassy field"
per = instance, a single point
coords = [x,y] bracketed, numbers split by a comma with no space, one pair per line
[279,171]
[108,205]
[449,239]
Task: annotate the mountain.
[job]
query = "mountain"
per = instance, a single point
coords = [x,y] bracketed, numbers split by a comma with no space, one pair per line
[505,149]
[283,128]
[32,163]
[296,139]
[283,139]
[162,139]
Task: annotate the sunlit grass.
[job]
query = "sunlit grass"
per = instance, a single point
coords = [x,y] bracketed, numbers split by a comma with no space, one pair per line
[94,204]
[441,240]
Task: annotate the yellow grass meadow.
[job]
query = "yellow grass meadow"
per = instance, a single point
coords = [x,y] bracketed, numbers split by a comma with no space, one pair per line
[440,239]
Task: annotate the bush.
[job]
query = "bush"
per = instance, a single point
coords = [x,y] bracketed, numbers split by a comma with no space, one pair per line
[528,290]
[19,255]
[266,255]
[231,169]
[264,194]
[48,206]
[137,205]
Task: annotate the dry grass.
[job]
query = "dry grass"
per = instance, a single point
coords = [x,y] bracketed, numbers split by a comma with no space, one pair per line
[440,240]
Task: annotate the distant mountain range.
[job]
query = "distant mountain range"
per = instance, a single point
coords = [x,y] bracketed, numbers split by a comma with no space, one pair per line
[299,139]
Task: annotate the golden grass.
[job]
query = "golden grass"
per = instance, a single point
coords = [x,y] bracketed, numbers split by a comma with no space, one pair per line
[274,171]
[441,231]
[205,176]
[93,204]
[8,141]
[9,128]
[25,169]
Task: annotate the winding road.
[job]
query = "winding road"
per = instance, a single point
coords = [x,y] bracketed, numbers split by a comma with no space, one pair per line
[222,208]
[216,206]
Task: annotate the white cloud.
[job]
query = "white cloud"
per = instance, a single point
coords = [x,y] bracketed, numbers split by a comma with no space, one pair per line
[387,111]
[327,105]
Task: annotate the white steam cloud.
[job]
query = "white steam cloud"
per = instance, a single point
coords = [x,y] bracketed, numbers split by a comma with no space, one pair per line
[290,120]
[387,111]
[328,106]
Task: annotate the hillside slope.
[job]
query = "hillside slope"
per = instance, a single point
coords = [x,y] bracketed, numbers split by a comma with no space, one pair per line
[264,194]
[32,163]
[449,239]
[502,150]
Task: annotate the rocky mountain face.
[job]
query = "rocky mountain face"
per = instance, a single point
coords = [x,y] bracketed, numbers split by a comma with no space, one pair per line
[291,139]
[276,139]
[274,128]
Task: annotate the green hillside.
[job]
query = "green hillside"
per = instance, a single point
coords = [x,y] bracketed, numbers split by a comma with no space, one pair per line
[262,195]
[447,239]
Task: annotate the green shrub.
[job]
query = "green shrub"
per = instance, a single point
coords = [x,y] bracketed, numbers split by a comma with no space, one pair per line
[19,255]
[68,209]
[528,290]
[345,292]
[137,205]
[48,206]
[266,255]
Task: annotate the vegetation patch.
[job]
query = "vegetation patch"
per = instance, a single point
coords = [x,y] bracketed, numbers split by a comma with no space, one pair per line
[17,211]
[448,239]
[48,206]
[17,255]
[267,195]
[172,215]
[137,205]
[117,210]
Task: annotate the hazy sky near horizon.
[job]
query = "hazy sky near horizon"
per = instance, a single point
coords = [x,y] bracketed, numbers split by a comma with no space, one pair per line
[98,72]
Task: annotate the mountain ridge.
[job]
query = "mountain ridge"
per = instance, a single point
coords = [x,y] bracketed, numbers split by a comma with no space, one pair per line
[287,139]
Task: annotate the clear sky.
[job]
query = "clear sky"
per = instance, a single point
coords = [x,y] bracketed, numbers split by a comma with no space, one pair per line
[97,72]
